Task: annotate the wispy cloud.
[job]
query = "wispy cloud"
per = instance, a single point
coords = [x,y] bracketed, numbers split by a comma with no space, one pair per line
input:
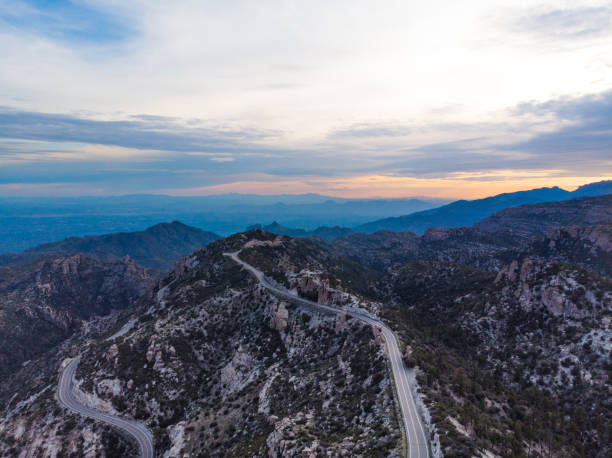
[371,130]
[223,159]
[145,132]
[580,22]
[557,136]
[65,20]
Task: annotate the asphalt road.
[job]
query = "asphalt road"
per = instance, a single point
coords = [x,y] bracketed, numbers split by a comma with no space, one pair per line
[417,439]
[139,432]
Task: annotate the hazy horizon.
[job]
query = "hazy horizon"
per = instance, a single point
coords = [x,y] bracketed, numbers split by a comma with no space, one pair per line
[447,198]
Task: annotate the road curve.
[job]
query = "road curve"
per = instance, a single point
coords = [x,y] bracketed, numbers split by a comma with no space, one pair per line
[137,431]
[417,439]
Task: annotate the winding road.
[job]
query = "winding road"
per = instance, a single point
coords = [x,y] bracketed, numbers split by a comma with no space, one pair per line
[137,431]
[415,432]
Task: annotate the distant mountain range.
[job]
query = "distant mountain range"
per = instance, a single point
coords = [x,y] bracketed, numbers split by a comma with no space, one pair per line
[467,212]
[460,213]
[27,222]
[157,247]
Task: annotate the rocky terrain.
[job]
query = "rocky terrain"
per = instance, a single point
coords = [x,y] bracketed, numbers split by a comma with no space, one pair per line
[218,367]
[31,421]
[385,249]
[575,231]
[509,331]
[157,247]
[588,247]
[509,323]
[528,221]
[44,302]
[513,363]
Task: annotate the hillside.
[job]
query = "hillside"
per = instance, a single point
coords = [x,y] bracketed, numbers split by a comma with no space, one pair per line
[509,335]
[467,212]
[538,219]
[216,366]
[157,247]
[506,356]
[384,249]
[45,302]
[574,231]
[513,358]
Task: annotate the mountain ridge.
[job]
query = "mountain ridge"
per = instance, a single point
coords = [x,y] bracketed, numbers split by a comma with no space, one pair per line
[467,212]
[157,247]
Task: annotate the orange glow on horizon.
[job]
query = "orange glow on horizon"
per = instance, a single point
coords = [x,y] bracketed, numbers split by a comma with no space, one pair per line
[460,185]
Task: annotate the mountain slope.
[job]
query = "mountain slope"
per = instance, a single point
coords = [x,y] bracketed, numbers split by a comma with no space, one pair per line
[515,363]
[157,247]
[468,212]
[538,219]
[578,226]
[588,247]
[216,366]
[594,189]
[510,336]
[43,303]
[465,245]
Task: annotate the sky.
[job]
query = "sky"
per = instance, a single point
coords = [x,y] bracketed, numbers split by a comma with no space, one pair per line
[344,98]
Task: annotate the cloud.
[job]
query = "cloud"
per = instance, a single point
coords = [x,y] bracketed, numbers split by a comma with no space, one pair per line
[566,24]
[586,133]
[65,20]
[223,159]
[566,135]
[370,130]
[144,132]
[559,137]
[590,107]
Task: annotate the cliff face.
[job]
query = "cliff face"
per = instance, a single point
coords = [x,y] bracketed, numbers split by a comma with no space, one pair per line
[44,302]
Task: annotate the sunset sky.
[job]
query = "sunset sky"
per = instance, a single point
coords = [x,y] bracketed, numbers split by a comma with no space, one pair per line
[345,98]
